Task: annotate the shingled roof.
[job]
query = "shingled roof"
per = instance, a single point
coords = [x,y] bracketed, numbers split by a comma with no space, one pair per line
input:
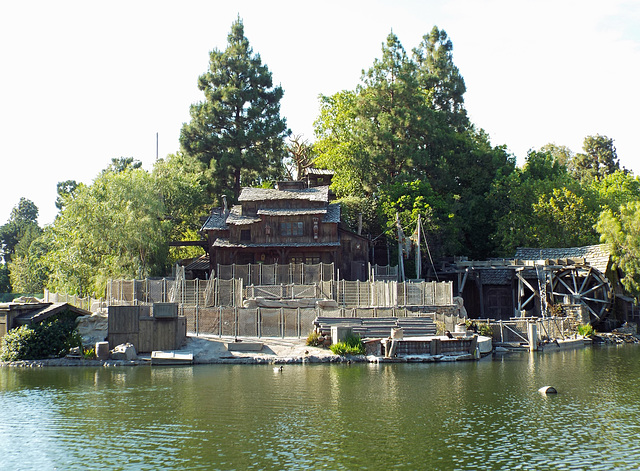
[319,193]
[597,256]
[216,221]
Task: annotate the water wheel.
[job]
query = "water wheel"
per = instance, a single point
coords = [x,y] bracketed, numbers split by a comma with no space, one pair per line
[584,286]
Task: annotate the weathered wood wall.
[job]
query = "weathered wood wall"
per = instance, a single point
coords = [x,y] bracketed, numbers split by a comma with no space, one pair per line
[134,325]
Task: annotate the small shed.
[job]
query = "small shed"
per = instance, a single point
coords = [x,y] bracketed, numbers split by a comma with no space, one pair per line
[15,314]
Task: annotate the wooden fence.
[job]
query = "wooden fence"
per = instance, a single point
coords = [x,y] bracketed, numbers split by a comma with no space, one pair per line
[217,292]
[87,303]
[224,321]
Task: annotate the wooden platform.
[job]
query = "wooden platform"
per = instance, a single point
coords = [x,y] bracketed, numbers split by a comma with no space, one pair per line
[378,327]
[171,357]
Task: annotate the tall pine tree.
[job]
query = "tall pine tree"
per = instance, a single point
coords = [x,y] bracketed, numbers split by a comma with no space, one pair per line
[237,131]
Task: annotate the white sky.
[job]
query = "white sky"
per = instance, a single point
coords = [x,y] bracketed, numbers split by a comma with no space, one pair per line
[83,82]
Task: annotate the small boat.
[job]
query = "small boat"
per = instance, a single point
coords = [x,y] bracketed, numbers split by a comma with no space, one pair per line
[171,357]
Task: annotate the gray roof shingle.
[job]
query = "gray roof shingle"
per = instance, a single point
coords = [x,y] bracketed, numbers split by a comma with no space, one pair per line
[597,256]
[319,193]
[223,242]
[291,211]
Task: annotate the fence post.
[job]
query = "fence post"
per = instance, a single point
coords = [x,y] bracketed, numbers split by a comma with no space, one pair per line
[196,320]
[235,321]
[259,320]
[282,322]
[220,321]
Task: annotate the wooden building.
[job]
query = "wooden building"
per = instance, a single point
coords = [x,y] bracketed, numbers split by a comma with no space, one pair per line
[537,279]
[16,314]
[294,223]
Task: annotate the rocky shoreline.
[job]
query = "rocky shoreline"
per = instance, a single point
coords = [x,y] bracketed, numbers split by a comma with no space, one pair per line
[215,351]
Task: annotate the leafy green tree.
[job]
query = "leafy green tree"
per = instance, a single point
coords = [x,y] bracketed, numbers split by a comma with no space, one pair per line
[616,189]
[5,282]
[563,219]
[561,154]
[514,195]
[65,190]
[237,132]
[406,123]
[182,189]
[123,163]
[337,146]
[23,219]
[394,116]
[598,160]
[28,269]
[621,231]
[114,228]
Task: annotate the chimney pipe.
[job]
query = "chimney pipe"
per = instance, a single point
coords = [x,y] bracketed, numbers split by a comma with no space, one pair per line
[224,202]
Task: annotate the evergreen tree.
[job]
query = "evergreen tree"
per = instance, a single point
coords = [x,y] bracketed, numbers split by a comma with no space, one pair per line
[237,131]
[598,160]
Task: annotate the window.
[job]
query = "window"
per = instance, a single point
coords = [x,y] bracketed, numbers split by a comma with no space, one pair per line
[245,234]
[291,228]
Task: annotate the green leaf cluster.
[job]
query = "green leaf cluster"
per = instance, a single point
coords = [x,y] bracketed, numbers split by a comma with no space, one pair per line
[51,338]
[352,345]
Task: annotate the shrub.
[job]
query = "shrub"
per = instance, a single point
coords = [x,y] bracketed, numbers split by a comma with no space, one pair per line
[89,353]
[18,344]
[486,330]
[51,338]
[586,330]
[313,340]
[352,345]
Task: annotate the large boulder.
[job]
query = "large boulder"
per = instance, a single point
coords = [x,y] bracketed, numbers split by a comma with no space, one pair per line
[124,351]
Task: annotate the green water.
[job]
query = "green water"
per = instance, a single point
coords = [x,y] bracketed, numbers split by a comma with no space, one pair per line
[464,415]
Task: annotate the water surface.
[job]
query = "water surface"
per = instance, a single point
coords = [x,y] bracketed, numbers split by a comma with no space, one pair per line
[463,415]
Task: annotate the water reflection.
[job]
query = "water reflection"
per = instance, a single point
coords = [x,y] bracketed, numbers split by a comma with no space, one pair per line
[462,415]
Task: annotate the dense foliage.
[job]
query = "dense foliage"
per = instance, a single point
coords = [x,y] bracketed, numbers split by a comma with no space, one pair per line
[51,338]
[352,345]
[403,140]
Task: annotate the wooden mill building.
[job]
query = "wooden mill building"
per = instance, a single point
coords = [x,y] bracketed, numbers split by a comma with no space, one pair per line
[294,223]
[537,279]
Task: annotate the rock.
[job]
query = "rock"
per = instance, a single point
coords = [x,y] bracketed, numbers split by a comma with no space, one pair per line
[93,328]
[547,390]
[102,350]
[125,351]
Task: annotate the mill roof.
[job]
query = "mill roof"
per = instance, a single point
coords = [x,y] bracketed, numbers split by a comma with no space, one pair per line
[597,256]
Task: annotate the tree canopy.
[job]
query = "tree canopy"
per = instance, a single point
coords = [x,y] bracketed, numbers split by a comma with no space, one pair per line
[405,126]
[236,132]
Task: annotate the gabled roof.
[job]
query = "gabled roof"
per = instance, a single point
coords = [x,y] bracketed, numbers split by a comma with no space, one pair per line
[597,256]
[319,194]
[237,219]
[223,242]
[291,211]
[42,311]
[216,221]
[318,171]
[495,276]
[333,213]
